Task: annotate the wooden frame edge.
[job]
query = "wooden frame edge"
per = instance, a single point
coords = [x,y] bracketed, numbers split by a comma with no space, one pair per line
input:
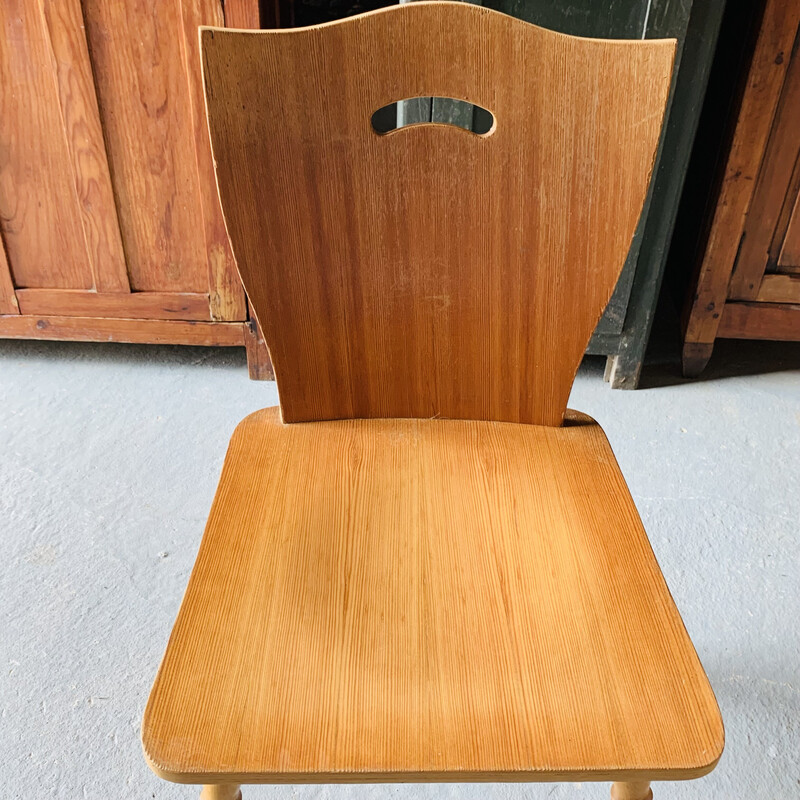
[778,322]
[131,331]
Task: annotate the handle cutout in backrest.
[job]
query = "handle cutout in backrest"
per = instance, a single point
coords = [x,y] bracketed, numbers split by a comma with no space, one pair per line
[430,272]
[433,111]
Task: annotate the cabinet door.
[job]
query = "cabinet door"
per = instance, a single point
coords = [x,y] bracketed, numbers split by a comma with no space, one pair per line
[767,267]
[108,205]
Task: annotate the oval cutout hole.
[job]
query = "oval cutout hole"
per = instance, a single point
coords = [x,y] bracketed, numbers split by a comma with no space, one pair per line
[433,111]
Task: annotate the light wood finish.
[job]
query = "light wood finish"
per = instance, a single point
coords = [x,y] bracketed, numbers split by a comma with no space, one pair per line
[221,791]
[779,289]
[40,219]
[771,189]
[139,305]
[637,790]
[775,321]
[226,295]
[420,600]
[136,331]
[754,122]
[84,136]
[431,272]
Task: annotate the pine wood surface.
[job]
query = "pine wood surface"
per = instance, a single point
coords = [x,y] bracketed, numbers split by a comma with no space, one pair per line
[138,305]
[84,135]
[431,272]
[40,219]
[226,295]
[134,331]
[242,14]
[146,113]
[379,600]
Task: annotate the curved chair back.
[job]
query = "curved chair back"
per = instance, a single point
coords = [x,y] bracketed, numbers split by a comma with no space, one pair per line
[430,271]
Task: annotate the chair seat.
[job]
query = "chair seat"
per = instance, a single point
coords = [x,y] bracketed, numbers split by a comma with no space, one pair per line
[427,600]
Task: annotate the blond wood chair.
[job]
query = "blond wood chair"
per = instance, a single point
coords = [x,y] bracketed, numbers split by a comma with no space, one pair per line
[422,567]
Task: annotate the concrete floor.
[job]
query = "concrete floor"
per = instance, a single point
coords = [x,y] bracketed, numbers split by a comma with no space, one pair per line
[110,456]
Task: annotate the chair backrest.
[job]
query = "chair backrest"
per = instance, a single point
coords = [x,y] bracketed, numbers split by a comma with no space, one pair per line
[430,271]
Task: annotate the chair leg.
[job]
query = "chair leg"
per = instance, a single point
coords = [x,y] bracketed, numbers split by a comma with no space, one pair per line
[633,790]
[221,791]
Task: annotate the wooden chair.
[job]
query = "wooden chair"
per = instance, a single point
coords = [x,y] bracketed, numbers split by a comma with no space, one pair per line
[422,567]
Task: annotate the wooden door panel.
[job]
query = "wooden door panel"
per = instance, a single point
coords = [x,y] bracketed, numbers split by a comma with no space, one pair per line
[84,135]
[40,216]
[772,186]
[147,118]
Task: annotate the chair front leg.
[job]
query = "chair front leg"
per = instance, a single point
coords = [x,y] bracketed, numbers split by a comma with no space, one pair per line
[221,791]
[631,790]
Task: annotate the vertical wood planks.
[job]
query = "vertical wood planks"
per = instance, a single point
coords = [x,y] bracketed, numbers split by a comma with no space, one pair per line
[84,137]
[147,118]
[39,212]
[226,295]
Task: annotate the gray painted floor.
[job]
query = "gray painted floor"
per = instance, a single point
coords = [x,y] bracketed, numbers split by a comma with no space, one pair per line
[110,456]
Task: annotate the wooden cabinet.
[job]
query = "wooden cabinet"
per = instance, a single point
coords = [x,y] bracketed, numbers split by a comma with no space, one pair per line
[110,223]
[747,283]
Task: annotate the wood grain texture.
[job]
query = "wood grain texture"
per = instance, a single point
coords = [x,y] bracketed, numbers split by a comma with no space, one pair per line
[259,365]
[426,600]
[40,219]
[431,272]
[777,288]
[790,249]
[144,305]
[8,299]
[226,295]
[143,94]
[242,14]
[779,256]
[136,331]
[637,790]
[772,187]
[221,791]
[775,321]
[84,136]
[762,92]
